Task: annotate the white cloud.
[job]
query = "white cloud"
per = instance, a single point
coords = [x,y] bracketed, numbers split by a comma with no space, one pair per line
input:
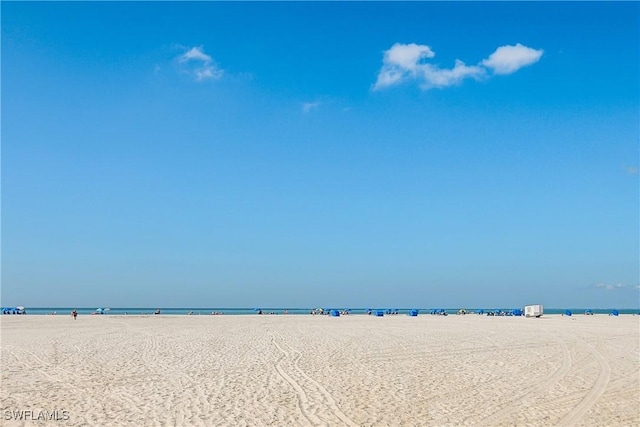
[509,59]
[609,287]
[401,62]
[195,54]
[407,62]
[407,56]
[308,106]
[199,65]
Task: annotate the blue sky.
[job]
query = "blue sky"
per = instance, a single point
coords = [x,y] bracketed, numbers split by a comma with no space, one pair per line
[302,154]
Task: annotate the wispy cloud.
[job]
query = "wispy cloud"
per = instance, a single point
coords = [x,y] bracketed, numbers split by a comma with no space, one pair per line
[408,62]
[199,65]
[632,170]
[437,78]
[610,287]
[308,106]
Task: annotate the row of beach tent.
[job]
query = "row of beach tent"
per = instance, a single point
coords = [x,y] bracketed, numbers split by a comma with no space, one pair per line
[443,312]
[590,313]
[14,310]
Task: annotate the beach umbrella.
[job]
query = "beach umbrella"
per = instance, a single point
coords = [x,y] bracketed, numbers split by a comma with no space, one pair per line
[567,313]
[107,309]
[21,308]
[615,312]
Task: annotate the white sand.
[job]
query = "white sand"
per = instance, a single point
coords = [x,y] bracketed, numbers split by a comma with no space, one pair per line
[319,370]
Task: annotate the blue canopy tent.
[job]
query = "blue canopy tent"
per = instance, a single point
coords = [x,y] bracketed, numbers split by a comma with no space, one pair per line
[379,313]
[588,312]
[413,313]
[335,313]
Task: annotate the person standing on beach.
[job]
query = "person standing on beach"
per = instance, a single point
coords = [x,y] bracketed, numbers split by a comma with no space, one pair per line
[74,313]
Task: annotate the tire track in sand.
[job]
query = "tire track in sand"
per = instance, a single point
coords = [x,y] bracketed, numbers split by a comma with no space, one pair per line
[293,356]
[328,397]
[301,397]
[507,411]
[594,394]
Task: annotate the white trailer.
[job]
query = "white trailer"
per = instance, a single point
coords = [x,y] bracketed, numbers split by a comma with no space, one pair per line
[533,310]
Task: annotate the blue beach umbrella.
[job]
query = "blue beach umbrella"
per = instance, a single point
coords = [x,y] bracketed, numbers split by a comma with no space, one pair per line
[567,313]
[614,313]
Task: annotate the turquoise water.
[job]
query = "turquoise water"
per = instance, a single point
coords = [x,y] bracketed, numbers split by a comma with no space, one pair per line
[280,310]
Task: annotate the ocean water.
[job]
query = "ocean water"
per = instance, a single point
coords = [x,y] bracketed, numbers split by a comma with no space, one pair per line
[122,311]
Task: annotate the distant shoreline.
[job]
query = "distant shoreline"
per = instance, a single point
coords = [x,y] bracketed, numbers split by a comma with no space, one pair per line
[139,311]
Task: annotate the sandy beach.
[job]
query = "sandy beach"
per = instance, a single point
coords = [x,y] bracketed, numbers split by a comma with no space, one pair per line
[317,370]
